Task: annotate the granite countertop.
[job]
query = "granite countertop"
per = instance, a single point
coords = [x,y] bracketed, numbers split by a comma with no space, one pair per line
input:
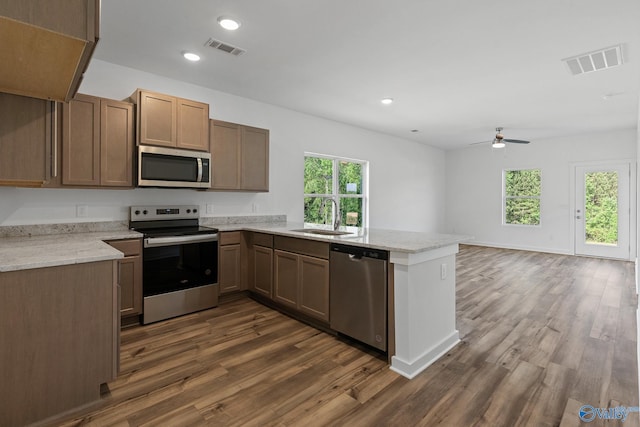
[391,240]
[26,252]
[71,244]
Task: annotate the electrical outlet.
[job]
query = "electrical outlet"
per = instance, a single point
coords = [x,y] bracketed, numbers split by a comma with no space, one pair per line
[443,271]
[82,211]
[209,208]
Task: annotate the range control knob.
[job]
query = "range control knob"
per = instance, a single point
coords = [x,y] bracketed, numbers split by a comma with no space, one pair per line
[144,212]
[195,211]
[188,210]
[137,212]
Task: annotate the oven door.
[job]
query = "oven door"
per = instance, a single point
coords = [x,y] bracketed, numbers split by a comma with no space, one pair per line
[177,263]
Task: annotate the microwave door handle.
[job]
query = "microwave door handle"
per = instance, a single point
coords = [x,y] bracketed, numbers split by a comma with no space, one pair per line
[199,178]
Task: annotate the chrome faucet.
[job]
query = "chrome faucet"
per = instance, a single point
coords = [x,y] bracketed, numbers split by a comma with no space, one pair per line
[336,214]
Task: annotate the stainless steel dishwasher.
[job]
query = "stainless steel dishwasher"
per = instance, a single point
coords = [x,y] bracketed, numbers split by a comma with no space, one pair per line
[358,293]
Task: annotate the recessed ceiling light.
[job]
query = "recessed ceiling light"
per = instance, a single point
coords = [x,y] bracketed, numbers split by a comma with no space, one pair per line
[228,23]
[191,56]
[386,101]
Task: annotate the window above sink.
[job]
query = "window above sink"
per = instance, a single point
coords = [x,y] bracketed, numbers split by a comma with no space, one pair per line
[349,190]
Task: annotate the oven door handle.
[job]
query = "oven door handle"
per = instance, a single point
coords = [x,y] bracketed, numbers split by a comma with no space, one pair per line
[153,242]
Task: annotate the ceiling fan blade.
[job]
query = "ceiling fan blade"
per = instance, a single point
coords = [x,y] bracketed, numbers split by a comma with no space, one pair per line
[481,142]
[516,141]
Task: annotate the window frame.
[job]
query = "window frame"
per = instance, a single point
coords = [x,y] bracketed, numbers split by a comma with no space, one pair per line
[505,198]
[335,186]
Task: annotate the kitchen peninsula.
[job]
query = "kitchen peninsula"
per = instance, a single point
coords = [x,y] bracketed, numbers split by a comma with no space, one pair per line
[423,283]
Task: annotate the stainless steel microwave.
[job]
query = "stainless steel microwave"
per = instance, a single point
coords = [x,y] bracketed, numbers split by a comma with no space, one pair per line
[170,167]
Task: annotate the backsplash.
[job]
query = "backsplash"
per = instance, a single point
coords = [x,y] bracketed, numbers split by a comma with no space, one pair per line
[93,227]
[243,219]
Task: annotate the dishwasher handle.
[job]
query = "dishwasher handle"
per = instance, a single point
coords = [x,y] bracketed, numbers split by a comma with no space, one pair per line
[357,252]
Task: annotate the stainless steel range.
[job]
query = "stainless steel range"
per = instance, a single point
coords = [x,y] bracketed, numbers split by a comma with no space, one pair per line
[180,261]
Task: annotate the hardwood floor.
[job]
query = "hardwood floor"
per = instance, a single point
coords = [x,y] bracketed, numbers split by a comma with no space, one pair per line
[541,334]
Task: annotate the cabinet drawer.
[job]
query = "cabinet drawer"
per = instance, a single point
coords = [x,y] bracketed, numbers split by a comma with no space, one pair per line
[302,246]
[229,238]
[262,239]
[127,247]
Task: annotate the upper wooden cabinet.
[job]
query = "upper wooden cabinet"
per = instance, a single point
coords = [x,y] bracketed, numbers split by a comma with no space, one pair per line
[27,141]
[97,145]
[46,46]
[239,157]
[170,121]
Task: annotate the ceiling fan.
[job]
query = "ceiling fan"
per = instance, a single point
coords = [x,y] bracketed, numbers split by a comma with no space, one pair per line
[499,140]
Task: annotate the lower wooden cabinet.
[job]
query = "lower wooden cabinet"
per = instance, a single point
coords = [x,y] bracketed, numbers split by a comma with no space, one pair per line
[59,339]
[302,282]
[130,276]
[260,263]
[263,270]
[230,262]
[313,287]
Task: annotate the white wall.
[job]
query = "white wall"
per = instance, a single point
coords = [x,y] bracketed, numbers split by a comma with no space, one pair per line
[474,187]
[406,179]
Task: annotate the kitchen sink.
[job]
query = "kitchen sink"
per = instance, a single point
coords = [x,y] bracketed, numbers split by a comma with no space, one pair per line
[322,231]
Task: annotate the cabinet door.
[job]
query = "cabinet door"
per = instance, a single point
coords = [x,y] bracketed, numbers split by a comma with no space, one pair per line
[81,141]
[116,143]
[229,268]
[157,119]
[131,286]
[254,159]
[262,270]
[285,278]
[225,155]
[314,287]
[25,139]
[193,125]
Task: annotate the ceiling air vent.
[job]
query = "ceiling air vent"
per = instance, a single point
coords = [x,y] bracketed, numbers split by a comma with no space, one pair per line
[217,44]
[595,61]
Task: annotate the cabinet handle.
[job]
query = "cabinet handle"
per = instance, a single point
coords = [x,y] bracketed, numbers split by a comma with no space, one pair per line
[54,139]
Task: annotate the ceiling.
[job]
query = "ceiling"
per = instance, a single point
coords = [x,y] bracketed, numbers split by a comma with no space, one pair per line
[456,69]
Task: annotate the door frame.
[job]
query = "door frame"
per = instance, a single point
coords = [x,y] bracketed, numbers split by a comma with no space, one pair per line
[632,201]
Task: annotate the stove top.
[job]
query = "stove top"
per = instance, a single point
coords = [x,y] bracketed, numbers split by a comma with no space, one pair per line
[170,220]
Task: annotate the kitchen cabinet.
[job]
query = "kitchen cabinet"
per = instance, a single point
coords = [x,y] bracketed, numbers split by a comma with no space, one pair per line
[47,45]
[97,143]
[59,339]
[130,276]
[27,140]
[170,121]
[301,275]
[230,262]
[261,264]
[239,156]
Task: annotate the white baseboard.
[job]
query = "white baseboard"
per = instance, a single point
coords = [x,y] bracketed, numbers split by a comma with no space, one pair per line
[422,362]
[519,247]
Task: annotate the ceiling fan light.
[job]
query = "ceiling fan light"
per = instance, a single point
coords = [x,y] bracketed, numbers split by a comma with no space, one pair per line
[497,144]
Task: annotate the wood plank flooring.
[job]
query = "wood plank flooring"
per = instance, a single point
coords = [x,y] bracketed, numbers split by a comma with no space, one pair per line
[541,334]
